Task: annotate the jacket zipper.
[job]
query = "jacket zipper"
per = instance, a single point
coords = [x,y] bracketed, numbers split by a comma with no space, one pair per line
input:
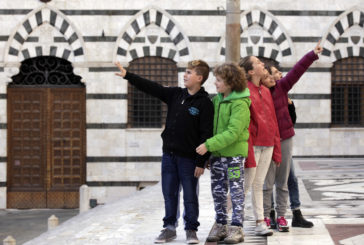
[264,107]
[218,113]
[217,120]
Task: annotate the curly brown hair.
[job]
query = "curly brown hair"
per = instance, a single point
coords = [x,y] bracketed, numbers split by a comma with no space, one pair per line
[233,75]
[201,68]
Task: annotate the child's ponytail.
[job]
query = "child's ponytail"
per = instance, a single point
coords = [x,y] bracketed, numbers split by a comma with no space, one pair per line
[247,65]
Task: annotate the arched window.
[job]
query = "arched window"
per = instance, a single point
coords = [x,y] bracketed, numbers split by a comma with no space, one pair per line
[145,111]
[347,94]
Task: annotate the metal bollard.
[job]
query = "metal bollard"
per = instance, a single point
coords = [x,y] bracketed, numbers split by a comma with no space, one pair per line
[84,198]
[52,222]
[9,241]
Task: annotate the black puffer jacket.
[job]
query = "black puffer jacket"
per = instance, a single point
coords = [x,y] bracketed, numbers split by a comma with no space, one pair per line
[292,112]
[189,120]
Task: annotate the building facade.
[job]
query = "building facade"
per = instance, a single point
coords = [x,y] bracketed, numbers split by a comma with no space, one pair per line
[67,120]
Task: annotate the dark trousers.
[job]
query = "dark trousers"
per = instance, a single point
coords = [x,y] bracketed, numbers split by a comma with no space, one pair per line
[294,194]
[175,171]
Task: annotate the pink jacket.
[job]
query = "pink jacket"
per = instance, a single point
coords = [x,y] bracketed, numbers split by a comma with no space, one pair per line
[280,94]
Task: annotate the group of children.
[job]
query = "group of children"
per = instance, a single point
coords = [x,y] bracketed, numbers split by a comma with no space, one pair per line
[244,135]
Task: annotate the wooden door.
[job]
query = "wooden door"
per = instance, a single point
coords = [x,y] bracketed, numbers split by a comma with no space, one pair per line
[27,153]
[66,149]
[46,147]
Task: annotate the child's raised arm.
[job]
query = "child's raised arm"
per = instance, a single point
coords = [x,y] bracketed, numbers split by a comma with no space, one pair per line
[152,88]
[287,82]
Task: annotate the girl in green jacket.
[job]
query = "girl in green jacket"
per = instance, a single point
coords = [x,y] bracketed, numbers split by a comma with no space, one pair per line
[229,147]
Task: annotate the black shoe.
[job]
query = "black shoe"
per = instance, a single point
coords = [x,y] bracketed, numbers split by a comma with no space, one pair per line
[273,222]
[299,221]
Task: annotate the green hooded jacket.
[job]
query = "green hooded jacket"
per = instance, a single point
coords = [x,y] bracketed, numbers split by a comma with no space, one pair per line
[231,123]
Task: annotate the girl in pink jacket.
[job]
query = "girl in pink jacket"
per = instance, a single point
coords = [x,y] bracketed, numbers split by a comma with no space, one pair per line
[279,89]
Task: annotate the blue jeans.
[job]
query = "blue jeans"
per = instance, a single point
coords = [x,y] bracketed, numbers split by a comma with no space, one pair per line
[178,170]
[294,195]
[178,211]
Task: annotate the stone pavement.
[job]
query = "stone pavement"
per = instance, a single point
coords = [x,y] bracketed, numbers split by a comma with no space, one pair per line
[26,224]
[331,192]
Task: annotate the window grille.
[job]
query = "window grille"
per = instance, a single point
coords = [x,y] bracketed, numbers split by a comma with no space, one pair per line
[347,95]
[145,111]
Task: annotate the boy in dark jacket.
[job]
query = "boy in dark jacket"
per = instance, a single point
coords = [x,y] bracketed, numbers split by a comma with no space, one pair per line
[189,123]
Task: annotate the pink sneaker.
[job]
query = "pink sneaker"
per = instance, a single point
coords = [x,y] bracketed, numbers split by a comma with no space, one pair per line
[282,224]
[267,221]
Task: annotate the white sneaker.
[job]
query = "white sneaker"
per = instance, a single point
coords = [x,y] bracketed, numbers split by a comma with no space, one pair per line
[262,230]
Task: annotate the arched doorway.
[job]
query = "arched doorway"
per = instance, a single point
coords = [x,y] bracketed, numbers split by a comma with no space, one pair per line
[46,135]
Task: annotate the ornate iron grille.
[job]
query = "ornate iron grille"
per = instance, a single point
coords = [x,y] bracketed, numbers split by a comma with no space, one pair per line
[145,111]
[347,95]
[46,71]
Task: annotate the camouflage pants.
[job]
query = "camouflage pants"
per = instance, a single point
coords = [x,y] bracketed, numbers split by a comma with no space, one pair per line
[228,172]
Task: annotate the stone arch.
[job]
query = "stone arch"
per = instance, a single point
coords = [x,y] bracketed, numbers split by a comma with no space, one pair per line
[71,50]
[345,36]
[279,45]
[152,32]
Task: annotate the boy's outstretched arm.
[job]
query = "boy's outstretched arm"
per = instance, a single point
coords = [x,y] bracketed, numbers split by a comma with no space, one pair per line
[145,85]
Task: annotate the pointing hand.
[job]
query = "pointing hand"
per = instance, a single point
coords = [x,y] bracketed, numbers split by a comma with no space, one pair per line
[122,72]
[318,49]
